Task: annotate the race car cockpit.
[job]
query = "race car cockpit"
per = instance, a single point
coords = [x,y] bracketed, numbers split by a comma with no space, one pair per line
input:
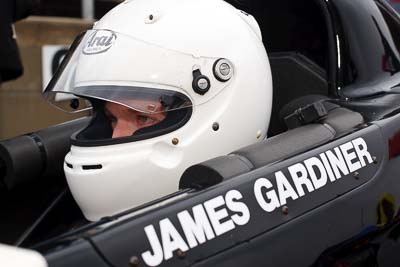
[316,188]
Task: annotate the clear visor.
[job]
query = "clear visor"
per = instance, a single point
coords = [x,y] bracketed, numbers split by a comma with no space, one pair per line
[146,100]
[113,67]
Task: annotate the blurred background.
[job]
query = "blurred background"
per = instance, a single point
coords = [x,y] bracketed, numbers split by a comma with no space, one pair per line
[43,30]
[43,39]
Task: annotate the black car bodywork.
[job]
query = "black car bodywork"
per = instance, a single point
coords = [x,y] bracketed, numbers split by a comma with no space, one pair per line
[335,66]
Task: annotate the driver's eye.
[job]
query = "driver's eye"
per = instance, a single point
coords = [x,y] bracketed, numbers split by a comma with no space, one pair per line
[144,119]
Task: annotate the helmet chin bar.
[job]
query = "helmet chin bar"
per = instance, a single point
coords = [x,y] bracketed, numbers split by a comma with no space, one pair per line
[99,131]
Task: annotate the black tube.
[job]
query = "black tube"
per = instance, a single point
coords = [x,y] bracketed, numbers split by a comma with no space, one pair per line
[40,154]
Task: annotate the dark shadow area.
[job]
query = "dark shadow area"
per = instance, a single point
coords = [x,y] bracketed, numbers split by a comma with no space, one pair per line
[296,39]
[72,8]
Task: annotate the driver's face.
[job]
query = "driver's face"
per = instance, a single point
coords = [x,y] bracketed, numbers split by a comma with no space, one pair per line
[125,121]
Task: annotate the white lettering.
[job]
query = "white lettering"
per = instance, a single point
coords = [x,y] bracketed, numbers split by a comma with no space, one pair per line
[271,195]
[362,151]
[197,229]
[216,216]
[350,156]
[155,258]
[171,239]
[327,167]
[311,164]
[237,207]
[299,176]
[285,189]
[212,218]
[337,162]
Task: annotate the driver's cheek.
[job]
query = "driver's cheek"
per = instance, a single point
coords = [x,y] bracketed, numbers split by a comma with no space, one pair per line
[124,128]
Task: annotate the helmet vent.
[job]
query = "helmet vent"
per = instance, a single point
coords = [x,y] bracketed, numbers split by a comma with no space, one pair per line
[69,165]
[92,167]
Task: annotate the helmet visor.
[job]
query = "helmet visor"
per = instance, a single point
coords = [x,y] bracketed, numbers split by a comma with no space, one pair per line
[114,67]
[146,100]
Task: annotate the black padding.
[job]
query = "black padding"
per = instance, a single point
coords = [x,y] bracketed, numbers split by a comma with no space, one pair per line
[343,120]
[22,160]
[260,154]
[287,144]
[337,122]
[294,76]
[28,157]
[214,171]
[99,126]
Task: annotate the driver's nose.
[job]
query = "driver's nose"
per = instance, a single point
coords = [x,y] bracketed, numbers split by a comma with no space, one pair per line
[124,128]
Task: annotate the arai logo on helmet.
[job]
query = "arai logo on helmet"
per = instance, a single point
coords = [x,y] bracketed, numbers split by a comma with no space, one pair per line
[99,41]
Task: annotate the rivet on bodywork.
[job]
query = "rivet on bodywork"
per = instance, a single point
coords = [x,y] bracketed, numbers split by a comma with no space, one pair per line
[134,261]
[215,126]
[181,254]
[356,175]
[285,210]
[175,141]
[375,159]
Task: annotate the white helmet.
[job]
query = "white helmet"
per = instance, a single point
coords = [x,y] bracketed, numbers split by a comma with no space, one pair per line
[200,64]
